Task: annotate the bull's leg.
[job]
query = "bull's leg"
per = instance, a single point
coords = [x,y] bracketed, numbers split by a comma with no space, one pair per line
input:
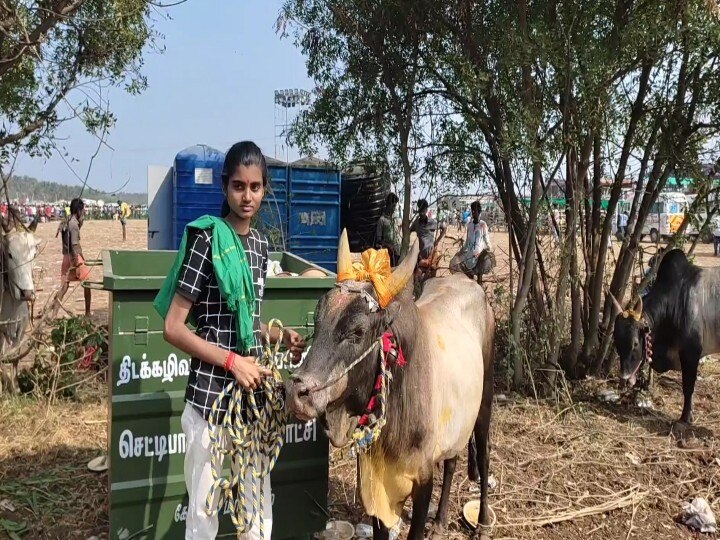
[689,360]
[441,516]
[380,531]
[421,504]
[482,439]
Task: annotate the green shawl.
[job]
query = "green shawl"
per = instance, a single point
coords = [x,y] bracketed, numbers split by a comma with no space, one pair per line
[232,272]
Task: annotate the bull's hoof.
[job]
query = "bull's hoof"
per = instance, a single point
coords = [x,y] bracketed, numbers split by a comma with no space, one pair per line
[477,535]
[680,428]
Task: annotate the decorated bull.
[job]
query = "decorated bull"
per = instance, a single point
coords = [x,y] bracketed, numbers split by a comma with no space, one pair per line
[405,384]
[676,324]
[18,249]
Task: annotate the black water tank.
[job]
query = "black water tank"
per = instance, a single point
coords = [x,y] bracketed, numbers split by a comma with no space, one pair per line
[362,201]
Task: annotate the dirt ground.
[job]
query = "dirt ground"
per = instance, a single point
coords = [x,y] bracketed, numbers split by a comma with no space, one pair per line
[577,469]
[95,236]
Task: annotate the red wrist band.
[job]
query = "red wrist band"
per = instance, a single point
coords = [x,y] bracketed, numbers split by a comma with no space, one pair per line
[229,360]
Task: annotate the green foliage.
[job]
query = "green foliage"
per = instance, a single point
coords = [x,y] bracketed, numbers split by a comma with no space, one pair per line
[523,94]
[368,100]
[76,346]
[57,60]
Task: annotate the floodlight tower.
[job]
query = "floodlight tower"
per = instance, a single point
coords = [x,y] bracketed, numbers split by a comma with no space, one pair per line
[285,101]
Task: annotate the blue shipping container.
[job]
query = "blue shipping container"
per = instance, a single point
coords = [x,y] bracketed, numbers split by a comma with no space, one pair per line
[314,219]
[197,186]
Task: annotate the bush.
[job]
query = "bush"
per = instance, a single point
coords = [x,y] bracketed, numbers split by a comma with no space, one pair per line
[76,347]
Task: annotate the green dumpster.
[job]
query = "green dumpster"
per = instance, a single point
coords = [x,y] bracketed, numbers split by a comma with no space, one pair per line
[148,498]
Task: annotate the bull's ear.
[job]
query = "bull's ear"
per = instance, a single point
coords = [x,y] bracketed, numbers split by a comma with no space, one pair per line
[404,271]
[344,260]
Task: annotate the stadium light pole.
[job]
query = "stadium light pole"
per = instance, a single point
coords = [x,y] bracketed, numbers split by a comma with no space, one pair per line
[288,98]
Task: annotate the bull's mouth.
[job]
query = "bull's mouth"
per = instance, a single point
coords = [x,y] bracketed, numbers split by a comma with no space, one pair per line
[326,405]
[308,402]
[630,380]
[339,426]
[630,376]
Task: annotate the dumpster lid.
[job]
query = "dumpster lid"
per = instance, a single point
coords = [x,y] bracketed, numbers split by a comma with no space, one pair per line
[146,270]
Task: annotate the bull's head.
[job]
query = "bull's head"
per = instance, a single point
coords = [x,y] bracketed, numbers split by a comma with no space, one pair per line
[628,336]
[348,321]
[19,249]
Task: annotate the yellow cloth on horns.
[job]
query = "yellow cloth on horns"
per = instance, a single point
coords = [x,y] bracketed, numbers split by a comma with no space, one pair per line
[374,267]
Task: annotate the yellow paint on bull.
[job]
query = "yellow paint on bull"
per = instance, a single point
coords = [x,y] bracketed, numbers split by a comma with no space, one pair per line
[441,343]
[384,486]
[445,417]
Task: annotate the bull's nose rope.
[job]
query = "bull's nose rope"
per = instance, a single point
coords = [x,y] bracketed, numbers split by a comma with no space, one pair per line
[252,443]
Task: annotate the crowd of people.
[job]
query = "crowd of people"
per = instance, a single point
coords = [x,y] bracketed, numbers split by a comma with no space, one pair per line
[61,210]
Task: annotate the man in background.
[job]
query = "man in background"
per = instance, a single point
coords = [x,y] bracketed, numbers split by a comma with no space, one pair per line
[622,225]
[475,259]
[124,214]
[386,235]
[73,264]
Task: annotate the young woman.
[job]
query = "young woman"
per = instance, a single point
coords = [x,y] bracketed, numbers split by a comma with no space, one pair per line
[220,349]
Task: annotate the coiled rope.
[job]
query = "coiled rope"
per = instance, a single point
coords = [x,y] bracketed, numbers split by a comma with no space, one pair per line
[251,434]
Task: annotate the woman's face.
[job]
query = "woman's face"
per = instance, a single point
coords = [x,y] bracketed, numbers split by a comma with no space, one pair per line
[245,191]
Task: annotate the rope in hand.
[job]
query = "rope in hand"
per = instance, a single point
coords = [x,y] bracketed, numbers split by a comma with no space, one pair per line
[251,433]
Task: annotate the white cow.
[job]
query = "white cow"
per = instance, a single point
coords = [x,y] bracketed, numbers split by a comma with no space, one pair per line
[18,250]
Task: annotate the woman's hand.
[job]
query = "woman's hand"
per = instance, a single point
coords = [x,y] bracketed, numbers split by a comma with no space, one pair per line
[294,343]
[248,373]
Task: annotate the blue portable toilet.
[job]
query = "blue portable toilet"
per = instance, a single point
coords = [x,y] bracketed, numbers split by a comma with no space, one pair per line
[314,211]
[197,186]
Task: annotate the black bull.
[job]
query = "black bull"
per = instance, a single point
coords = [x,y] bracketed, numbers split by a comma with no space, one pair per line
[436,402]
[681,314]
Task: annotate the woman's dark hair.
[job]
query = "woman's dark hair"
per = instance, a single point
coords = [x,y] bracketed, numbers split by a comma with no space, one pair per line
[245,153]
[475,205]
[76,205]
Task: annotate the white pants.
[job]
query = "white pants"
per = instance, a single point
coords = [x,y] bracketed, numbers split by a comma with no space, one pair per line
[198,479]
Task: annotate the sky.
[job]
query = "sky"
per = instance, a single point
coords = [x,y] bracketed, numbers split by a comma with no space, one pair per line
[214,84]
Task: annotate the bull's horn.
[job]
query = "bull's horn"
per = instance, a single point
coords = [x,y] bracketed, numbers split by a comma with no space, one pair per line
[344,260]
[5,224]
[404,272]
[34,223]
[639,306]
[616,303]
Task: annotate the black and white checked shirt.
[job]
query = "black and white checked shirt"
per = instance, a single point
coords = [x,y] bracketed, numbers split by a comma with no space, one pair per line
[215,322]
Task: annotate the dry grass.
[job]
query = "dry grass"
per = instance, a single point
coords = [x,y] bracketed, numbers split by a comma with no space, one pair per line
[44,451]
[585,469]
